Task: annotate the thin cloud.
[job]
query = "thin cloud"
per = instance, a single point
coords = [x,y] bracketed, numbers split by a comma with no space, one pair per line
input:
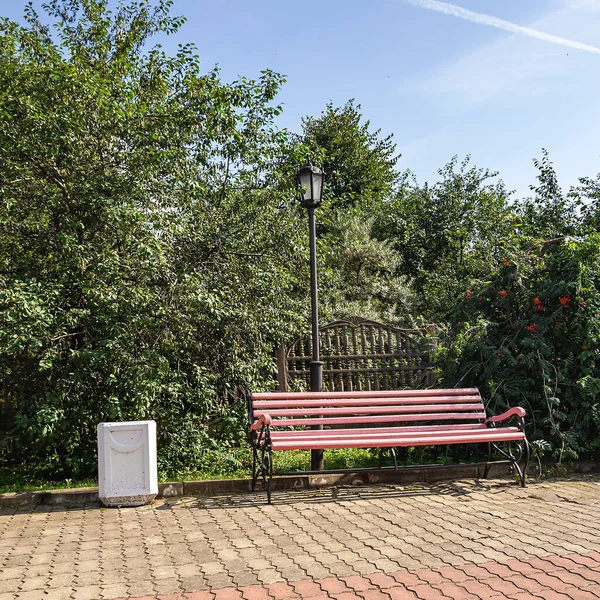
[474,17]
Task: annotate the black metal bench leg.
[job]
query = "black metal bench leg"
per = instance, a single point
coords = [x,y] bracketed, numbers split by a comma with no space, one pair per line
[527,459]
[254,470]
[267,471]
[519,473]
[522,450]
[488,466]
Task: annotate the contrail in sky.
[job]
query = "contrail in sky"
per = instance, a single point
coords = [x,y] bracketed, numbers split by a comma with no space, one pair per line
[475,17]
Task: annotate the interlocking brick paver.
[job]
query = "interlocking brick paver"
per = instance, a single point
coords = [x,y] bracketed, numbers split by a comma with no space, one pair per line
[219,581]
[455,591]
[372,594]
[228,594]
[63,593]
[452,574]
[578,594]
[525,583]
[245,579]
[11,573]
[333,586]
[426,592]
[407,578]
[255,592]
[455,540]
[168,586]
[572,578]
[400,593]
[281,591]
[113,590]
[522,567]
[553,595]
[307,588]
[193,584]
[382,581]
[548,580]
[358,583]
[477,588]
[199,596]
[32,595]
[10,585]
[141,588]
[87,592]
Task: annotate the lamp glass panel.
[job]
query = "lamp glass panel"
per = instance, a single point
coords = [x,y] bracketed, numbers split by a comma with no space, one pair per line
[305,185]
[317,184]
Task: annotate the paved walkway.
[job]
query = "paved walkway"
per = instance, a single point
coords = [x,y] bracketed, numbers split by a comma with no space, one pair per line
[453,540]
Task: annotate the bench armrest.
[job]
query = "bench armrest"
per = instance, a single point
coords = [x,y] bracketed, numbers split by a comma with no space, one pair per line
[516,411]
[262,420]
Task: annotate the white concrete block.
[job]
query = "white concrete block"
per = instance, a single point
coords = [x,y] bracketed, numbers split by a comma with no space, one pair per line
[127,474]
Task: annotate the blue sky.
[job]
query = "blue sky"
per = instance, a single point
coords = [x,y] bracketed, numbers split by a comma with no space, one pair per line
[441,84]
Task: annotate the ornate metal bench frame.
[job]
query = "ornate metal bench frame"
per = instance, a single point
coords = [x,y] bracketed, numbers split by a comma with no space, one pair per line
[262,431]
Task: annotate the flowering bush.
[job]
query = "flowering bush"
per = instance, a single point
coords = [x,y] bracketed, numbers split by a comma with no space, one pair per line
[530,336]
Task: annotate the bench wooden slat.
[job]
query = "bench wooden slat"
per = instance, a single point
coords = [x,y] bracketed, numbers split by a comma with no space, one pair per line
[403,428]
[370,410]
[365,394]
[264,404]
[377,419]
[349,435]
[391,441]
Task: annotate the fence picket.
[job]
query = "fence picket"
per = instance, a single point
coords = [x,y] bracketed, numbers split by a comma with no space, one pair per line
[360,354]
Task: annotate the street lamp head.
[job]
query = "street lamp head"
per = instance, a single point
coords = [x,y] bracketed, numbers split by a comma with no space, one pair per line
[310,182]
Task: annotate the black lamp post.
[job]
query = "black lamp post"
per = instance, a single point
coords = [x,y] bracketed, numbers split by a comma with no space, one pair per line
[310,181]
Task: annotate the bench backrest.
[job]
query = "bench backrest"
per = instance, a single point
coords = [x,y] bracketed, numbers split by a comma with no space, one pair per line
[298,409]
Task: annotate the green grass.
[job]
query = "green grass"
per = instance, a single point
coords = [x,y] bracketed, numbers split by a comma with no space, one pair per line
[234,463]
[293,460]
[237,462]
[16,480]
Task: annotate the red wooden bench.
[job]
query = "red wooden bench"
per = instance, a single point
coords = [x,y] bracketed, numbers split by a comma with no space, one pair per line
[379,419]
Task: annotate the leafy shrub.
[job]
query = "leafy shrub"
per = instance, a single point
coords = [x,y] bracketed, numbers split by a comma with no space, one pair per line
[530,336]
[142,274]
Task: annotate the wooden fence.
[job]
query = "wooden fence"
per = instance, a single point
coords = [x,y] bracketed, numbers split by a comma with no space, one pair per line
[359,354]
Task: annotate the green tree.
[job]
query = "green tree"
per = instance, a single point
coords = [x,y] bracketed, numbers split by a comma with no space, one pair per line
[587,194]
[363,275]
[146,268]
[358,270]
[448,232]
[550,213]
[360,165]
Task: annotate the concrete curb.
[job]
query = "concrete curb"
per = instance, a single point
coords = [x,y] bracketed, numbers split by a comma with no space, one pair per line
[211,487]
[64,497]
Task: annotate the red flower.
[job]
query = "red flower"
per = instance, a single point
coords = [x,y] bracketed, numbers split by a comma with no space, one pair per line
[503,293]
[469,294]
[565,301]
[539,307]
[506,262]
[537,301]
[532,327]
